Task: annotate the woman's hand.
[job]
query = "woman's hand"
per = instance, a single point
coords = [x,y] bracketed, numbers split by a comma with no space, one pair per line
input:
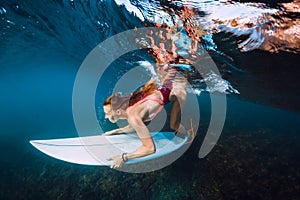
[126,129]
[117,161]
[109,133]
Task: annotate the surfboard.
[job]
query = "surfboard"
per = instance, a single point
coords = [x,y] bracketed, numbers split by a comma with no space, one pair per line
[94,150]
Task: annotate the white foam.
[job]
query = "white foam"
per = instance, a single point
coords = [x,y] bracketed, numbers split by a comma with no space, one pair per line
[233,17]
[130,8]
[215,83]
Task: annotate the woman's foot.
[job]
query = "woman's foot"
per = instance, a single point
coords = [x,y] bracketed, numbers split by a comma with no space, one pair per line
[182,132]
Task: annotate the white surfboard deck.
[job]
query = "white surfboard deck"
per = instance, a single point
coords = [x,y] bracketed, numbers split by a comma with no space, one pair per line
[94,150]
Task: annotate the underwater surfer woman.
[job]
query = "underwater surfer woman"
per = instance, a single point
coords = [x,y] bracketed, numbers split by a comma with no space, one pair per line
[140,107]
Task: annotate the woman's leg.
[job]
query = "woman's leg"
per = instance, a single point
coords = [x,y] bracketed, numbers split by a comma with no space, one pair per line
[178,97]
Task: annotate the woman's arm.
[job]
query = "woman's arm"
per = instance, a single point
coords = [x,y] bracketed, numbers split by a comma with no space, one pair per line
[147,147]
[126,129]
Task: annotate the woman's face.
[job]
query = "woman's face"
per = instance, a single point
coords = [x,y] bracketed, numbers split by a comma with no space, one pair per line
[110,114]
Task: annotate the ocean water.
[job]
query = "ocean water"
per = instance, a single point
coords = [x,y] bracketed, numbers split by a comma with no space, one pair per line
[43,44]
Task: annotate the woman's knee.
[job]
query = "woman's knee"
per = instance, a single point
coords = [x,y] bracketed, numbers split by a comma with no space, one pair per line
[180,95]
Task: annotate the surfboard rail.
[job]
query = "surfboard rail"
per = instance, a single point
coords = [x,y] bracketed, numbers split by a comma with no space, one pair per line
[94,150]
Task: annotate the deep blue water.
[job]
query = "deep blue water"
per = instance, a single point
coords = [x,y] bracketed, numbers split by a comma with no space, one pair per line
[42,45]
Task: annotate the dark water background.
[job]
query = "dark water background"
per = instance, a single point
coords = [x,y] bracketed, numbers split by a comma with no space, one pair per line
[42,47]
